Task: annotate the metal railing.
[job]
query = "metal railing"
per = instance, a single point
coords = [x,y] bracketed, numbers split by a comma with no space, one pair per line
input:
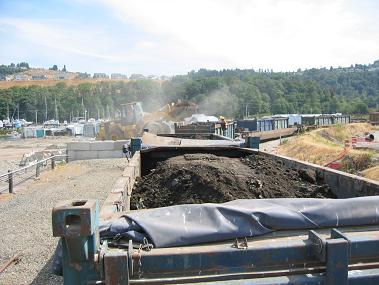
[15,177]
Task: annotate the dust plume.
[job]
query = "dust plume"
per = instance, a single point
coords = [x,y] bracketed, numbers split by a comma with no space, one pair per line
[219,102]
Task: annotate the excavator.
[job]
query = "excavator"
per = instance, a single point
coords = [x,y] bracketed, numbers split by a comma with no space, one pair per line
[134,121]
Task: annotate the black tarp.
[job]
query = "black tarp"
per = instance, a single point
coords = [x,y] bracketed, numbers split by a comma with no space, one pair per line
[200,223]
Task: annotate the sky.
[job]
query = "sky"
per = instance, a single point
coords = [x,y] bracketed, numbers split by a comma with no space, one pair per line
[168,37]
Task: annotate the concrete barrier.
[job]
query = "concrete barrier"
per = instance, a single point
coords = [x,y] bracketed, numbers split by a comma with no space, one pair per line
[119,198]
[95,149]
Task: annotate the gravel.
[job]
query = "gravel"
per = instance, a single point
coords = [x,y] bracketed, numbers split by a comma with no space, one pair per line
[25,219]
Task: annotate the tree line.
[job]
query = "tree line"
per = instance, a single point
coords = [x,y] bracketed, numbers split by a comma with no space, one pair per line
[13,68]
[233,93]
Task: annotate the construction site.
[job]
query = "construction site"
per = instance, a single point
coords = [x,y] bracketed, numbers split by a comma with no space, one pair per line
[189,142]
[211,202]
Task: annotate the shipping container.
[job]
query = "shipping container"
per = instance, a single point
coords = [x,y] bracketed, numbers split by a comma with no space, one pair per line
[341,119]
[265,124]
[324,120]
[247,125]
[374,118]
[280,123]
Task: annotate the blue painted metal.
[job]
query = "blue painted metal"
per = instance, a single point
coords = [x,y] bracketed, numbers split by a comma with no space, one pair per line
[265,124]
[135,145]
[76,222]
[326,257]
[116,269]
[229,132]
[359,277]
[337,260]
[253,142]
[319,254]
[248,124]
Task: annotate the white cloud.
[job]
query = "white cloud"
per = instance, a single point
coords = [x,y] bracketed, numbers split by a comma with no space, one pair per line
[59,35]
[283,35]
[176,36]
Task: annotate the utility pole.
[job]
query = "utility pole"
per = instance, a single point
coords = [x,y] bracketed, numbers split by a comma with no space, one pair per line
[45,108]
[18,111]
[107,112]
[36,116]
[56,109]
[84,110]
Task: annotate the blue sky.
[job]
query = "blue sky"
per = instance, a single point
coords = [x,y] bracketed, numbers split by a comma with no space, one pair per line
[176,36]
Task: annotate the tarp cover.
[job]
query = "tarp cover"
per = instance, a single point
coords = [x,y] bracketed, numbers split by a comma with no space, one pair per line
[194,223]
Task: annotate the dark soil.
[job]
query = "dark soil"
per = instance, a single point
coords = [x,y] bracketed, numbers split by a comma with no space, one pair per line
[206,178]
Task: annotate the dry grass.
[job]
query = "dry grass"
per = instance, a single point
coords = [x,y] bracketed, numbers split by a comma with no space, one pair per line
[372,173]
[73,82]
[324,145]
[342,132]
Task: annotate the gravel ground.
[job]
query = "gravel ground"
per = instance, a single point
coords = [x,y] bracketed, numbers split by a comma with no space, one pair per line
[11,151]
[272,146]
[25,219]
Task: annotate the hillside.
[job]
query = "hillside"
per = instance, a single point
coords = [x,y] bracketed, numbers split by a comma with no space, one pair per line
[324,145]
[232,93]
[52,82]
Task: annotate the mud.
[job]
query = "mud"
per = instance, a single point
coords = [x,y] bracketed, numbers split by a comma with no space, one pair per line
[206,178]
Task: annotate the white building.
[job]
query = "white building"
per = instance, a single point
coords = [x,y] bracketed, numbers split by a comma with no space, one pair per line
[118,76]
[21,77]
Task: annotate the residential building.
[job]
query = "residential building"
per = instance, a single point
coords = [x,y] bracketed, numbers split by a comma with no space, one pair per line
[153,77]
[21,77]
[118,76]
[61,75]
[82,75]
[137,77]
[39,77]
[100,76]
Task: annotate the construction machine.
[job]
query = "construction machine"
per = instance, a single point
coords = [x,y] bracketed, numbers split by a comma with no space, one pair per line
[134,121]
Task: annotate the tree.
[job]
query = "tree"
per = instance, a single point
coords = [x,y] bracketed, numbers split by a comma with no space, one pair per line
[55,67]
[226,92]
[64,68]
[23,65]
[360,108]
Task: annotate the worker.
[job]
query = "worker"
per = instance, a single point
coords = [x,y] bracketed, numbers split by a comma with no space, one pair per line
[223,125]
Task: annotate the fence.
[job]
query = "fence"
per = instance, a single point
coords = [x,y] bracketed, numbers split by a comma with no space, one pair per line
[9,180]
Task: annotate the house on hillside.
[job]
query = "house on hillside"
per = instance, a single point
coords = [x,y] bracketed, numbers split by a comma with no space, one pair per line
[39,77]
[82,75]
[118,76]
[153,77]
[137,77]
[61,75]
[100,76]
[21,77]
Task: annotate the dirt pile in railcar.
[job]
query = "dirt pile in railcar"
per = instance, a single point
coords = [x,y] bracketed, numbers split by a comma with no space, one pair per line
[206,178]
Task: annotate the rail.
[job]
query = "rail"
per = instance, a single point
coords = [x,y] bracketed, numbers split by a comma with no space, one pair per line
[15,177]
